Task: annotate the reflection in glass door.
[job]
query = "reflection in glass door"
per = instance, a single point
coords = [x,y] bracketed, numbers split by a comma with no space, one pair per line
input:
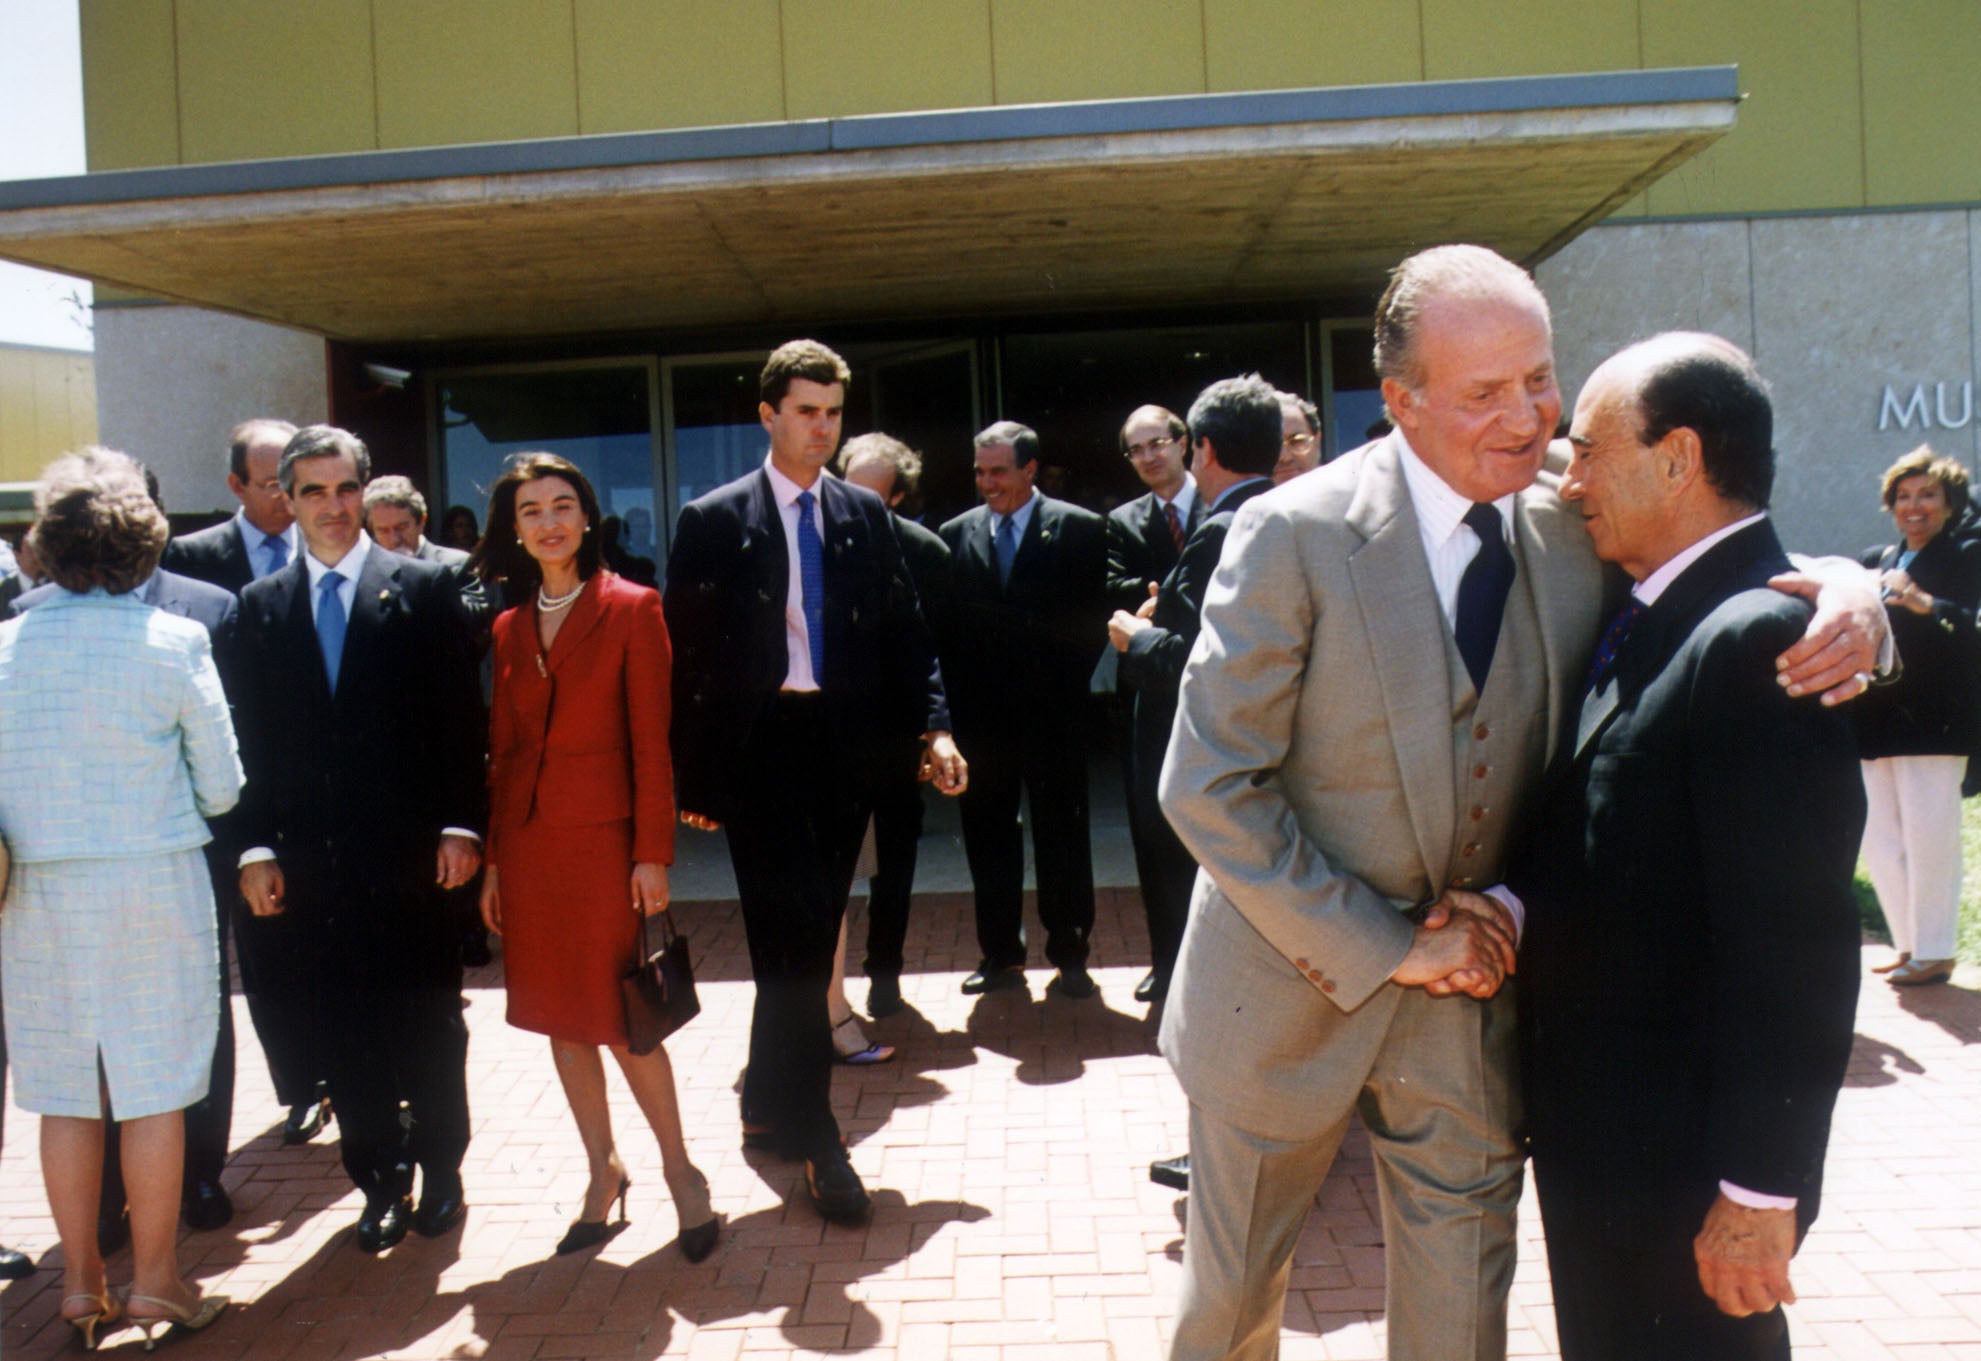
[600,415]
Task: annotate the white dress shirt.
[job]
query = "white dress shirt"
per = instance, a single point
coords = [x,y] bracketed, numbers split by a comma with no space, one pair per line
[1449,543]
[797,633]
[348,567]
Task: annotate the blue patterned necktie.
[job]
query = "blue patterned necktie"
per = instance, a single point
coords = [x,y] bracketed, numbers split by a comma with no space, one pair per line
[811,582]
[1482,593]
[330,625]
[1604,661]
[1007,549]
[278,553]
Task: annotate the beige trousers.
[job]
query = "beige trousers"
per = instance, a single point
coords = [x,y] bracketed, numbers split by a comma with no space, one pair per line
[1440,1108]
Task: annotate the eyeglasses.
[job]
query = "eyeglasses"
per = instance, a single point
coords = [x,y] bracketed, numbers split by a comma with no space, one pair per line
[1298,443]
[1148,447]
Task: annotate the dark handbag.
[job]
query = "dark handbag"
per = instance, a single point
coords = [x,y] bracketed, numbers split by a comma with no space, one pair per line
[659,991]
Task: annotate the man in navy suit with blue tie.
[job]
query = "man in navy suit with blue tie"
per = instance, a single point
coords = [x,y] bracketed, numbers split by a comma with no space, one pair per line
[354,660]
[804,676]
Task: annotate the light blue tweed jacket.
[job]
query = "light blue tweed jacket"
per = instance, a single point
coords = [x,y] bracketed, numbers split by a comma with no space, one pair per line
[115,738]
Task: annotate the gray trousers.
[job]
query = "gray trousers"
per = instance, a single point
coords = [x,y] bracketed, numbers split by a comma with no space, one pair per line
[1448,1172]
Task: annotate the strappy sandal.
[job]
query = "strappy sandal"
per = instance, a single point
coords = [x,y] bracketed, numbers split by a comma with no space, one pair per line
[105,1315]
[850,1043]
[176,1318]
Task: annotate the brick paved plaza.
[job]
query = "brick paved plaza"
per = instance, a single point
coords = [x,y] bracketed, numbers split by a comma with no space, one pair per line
[1013,1221]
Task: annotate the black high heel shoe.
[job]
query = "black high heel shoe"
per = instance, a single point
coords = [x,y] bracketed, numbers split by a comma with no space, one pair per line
[699,1241]
[589,1233]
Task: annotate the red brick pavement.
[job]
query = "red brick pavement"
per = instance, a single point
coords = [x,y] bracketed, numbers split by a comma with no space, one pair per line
[1013,1216]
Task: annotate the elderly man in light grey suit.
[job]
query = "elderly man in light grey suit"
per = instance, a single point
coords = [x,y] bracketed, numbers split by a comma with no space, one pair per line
[1389,646]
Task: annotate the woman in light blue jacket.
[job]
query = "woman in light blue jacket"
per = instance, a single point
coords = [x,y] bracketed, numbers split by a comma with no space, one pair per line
[116,746]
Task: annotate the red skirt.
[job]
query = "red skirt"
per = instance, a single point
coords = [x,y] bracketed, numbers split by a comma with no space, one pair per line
[569,932]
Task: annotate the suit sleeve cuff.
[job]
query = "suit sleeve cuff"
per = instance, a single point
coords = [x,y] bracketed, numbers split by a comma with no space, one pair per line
[1510,900]
[1755,1200]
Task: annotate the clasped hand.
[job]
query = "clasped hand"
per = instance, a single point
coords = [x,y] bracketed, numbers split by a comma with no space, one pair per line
[1466,945]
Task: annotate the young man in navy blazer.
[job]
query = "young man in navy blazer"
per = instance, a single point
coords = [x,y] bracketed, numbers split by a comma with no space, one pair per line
[803,673]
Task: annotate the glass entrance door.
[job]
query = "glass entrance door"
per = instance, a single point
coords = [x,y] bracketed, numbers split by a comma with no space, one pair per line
[598,414]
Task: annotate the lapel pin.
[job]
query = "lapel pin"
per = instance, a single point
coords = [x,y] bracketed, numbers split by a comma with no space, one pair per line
[384,596]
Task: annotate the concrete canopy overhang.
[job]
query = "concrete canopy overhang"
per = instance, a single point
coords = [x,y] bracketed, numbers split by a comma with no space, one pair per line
[1113,203]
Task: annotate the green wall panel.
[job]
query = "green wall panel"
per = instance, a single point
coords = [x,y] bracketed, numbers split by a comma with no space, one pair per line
[130,83]
[1799,142]
[1922,101]
[1272,45]
[1096,49]
[491,71]
[233,107]
[678,64]
[881,56]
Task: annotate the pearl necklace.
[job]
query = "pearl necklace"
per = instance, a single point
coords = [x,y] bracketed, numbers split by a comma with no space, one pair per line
[549,604]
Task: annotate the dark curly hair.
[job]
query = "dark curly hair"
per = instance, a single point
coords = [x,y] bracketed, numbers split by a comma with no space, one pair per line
[95,524]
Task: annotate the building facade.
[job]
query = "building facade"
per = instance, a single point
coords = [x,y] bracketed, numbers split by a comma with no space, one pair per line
[465,227]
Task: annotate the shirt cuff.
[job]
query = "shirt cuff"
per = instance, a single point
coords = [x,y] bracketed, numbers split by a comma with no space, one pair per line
[462,831]
[1510,900]
[253,855]
[1755,1200]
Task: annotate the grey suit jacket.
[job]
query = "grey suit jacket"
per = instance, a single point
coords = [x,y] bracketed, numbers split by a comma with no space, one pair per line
[1329,770]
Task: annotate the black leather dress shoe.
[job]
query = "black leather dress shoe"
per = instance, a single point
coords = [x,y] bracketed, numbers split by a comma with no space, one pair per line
[835,1188]
[112,1232]
[1153,988]
[1075,982]
[475,954]
[991,977]
[442,1206]
[884,995]
[14,1265]
[206,1205]
[305,1121]
[383,1223]
[1171,1172]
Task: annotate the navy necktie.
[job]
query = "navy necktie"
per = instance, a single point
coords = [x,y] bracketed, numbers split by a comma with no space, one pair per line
[1604,661]
[1482,593]
[330,625]
[1007,549]
[811,584]
[278,553]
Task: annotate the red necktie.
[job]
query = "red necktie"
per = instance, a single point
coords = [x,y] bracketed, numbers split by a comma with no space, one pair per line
[1175,524]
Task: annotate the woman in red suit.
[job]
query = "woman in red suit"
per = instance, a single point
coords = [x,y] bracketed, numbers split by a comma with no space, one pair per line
[581,819]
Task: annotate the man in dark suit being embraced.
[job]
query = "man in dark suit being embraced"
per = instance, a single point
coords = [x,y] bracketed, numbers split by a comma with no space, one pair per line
[1030,575]
[803,673]
[1689,965]
[352,661]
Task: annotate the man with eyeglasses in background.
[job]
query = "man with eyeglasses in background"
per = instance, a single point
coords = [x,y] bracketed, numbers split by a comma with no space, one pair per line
[1300,438]
[1144,540]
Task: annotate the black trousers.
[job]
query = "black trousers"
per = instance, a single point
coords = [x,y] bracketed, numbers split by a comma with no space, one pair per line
[276,969]
[897,836]
[382,998]
[1629,1303]
[1045,760]
[209,1120]
[1164,868]
[793,843]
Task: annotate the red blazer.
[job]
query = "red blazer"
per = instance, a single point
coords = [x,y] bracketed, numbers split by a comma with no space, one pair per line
[578,736]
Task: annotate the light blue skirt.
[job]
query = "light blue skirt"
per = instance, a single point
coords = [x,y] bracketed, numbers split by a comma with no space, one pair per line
[116,959]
